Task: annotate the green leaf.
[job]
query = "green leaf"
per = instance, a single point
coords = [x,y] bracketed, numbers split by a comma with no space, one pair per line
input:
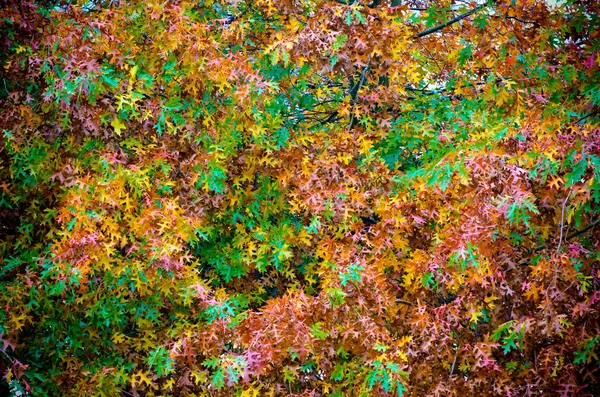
[428,280]
[380,347]
[577,173]
[108,77]
[340,40]
[509,344]
[218,378]
[338,373]
[359,16]
[348,18]
[211,362]
[159,360]
[317,331]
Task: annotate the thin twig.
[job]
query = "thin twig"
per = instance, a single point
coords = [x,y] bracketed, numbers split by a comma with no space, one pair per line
[562,219]
[453,362]
[12,360]
[584,117]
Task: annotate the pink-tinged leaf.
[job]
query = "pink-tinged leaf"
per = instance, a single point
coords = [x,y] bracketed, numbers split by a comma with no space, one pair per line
[6,343]
[418,219]
[590,61]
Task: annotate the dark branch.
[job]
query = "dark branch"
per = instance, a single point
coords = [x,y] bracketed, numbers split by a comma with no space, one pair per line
[377,3]
[451,21]
[585,229]
[425,91]
[523,21]
[354,93]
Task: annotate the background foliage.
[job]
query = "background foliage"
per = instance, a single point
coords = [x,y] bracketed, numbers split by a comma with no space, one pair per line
[299,197]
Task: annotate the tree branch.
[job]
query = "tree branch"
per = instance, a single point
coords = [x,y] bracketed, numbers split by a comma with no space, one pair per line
[451,21]
[425,91]
[585,229]
[355,90]
[562,219]
[377,3]
[345,2]
[522,21]
[453,362]
[569,237]
[402,301]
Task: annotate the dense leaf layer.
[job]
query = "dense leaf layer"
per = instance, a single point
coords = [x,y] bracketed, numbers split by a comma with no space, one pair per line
[299,198]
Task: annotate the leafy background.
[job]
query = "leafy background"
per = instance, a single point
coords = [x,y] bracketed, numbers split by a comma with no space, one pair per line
[298,197]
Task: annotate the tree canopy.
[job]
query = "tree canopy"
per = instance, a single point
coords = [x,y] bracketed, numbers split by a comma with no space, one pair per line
[299,197]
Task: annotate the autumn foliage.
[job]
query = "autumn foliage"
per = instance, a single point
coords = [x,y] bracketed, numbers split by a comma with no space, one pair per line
[299,197]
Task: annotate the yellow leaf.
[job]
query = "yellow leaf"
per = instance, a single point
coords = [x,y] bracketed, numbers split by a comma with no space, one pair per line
[169,383]
[18,321]
[199,377]
[555,181]
[117,125]
[365,146]
[252,391]
[502,97]
[404,340]
[475,315]
[408,279]
[144,377]
[133,71]
[509,83]
[118,337]
[463,367]
[304,237]
[284,253]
